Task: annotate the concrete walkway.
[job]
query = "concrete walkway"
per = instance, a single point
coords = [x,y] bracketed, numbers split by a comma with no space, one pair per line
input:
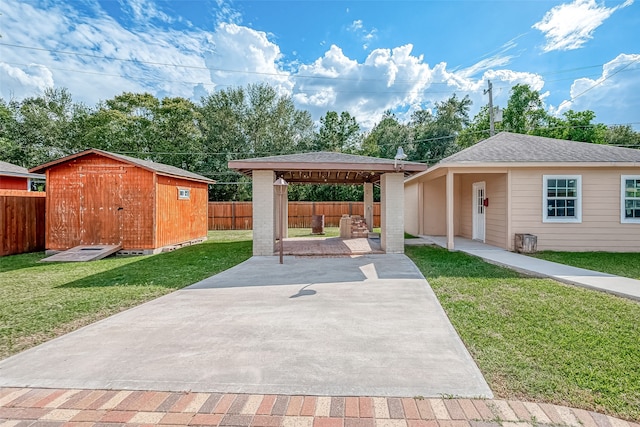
[59,407]
[344,326]
[621,286]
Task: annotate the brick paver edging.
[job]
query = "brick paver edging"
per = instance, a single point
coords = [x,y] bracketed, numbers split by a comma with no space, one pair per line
[51,407]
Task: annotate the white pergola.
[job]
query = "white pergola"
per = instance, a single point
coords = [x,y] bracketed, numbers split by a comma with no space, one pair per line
[328,168]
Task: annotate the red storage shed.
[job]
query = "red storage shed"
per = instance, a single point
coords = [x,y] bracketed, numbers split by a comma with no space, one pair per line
[99,198]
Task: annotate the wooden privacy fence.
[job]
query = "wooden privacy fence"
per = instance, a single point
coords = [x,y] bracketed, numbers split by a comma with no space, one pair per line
[21,221]
[239,215]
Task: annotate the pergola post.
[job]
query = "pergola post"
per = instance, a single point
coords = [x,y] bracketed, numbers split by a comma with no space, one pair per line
[368,205]
[392,213]
[263,212]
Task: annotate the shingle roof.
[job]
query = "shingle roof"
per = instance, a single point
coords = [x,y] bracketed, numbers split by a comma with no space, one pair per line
[9,169]
[325,157]
[326,167]
[160,168]
[507,147]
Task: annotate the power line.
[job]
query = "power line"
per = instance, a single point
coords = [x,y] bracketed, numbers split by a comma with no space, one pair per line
[281,74]
[147,78]
[194,67]
[606,78]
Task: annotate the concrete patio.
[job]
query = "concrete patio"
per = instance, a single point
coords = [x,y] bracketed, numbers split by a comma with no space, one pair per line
[330,246]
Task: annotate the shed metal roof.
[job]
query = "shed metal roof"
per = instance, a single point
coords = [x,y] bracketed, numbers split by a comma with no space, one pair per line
[159,168]
[326,167]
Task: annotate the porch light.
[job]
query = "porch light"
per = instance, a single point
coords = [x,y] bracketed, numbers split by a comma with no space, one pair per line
[399,156]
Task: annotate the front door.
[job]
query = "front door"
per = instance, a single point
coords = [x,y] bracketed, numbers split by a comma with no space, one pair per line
[478,211]
[101,207]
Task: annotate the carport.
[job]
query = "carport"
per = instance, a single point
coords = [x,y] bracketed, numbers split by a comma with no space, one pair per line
[328,168]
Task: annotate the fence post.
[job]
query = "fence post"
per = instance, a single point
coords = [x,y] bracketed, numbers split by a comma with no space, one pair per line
[233,215]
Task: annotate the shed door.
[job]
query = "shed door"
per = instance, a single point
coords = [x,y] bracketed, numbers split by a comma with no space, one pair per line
[478,211]
[101,208]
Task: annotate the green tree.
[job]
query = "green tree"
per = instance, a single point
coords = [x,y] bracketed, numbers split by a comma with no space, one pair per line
[249,122]
[434,135]
[622,135]
[47,127]
[10,150]
[177,133]
[478,129]
[385,137]
[525,110]
[574,126]
[339,133]
[125,124]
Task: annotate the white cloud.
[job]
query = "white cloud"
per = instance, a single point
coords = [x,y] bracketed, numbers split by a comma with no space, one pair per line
[570,25]
[356,25]
[387,79]
[392,79]
[95,57]
[612,96]
[249,54]
[366,35]
[145,11]
[31,80]
[230,55]
[486,64]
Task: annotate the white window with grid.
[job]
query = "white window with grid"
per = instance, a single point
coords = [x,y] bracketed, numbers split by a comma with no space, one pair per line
[184,193]
[630,199]
[562,198]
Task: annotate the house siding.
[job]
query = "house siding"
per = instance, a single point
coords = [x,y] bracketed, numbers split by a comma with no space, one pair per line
[600,229]
[495,213]
[180,220]
[434,202]
[411,209]
[13,183]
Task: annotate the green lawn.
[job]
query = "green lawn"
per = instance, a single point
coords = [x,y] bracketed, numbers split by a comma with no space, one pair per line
[39,301]
[539,340]
[625,264]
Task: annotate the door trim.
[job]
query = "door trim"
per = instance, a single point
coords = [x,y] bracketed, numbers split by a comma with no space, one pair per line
[475,235]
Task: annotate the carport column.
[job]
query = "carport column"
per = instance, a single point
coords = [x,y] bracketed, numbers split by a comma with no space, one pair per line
[449,210]
[263,212]
[392,213]
[368,205]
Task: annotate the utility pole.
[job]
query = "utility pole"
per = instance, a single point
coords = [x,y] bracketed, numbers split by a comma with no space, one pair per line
[492,129]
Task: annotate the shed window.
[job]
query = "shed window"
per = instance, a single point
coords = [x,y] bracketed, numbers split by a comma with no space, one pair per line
[184,193]
[630,200]
[562,199]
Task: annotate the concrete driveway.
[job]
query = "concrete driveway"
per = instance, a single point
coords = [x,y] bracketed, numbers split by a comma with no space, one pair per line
[367,325]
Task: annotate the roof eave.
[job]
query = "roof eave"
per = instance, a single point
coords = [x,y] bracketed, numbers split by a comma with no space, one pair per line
[488,165]
[22,175]
[241,166]
[189,178]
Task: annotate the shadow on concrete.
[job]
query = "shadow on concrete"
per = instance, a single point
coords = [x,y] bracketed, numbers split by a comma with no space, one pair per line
[267,271]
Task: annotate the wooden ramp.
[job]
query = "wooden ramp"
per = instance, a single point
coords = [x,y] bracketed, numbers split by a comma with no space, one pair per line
[84,253]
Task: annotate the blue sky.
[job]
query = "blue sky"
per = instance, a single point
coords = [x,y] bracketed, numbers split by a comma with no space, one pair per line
[364,57]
